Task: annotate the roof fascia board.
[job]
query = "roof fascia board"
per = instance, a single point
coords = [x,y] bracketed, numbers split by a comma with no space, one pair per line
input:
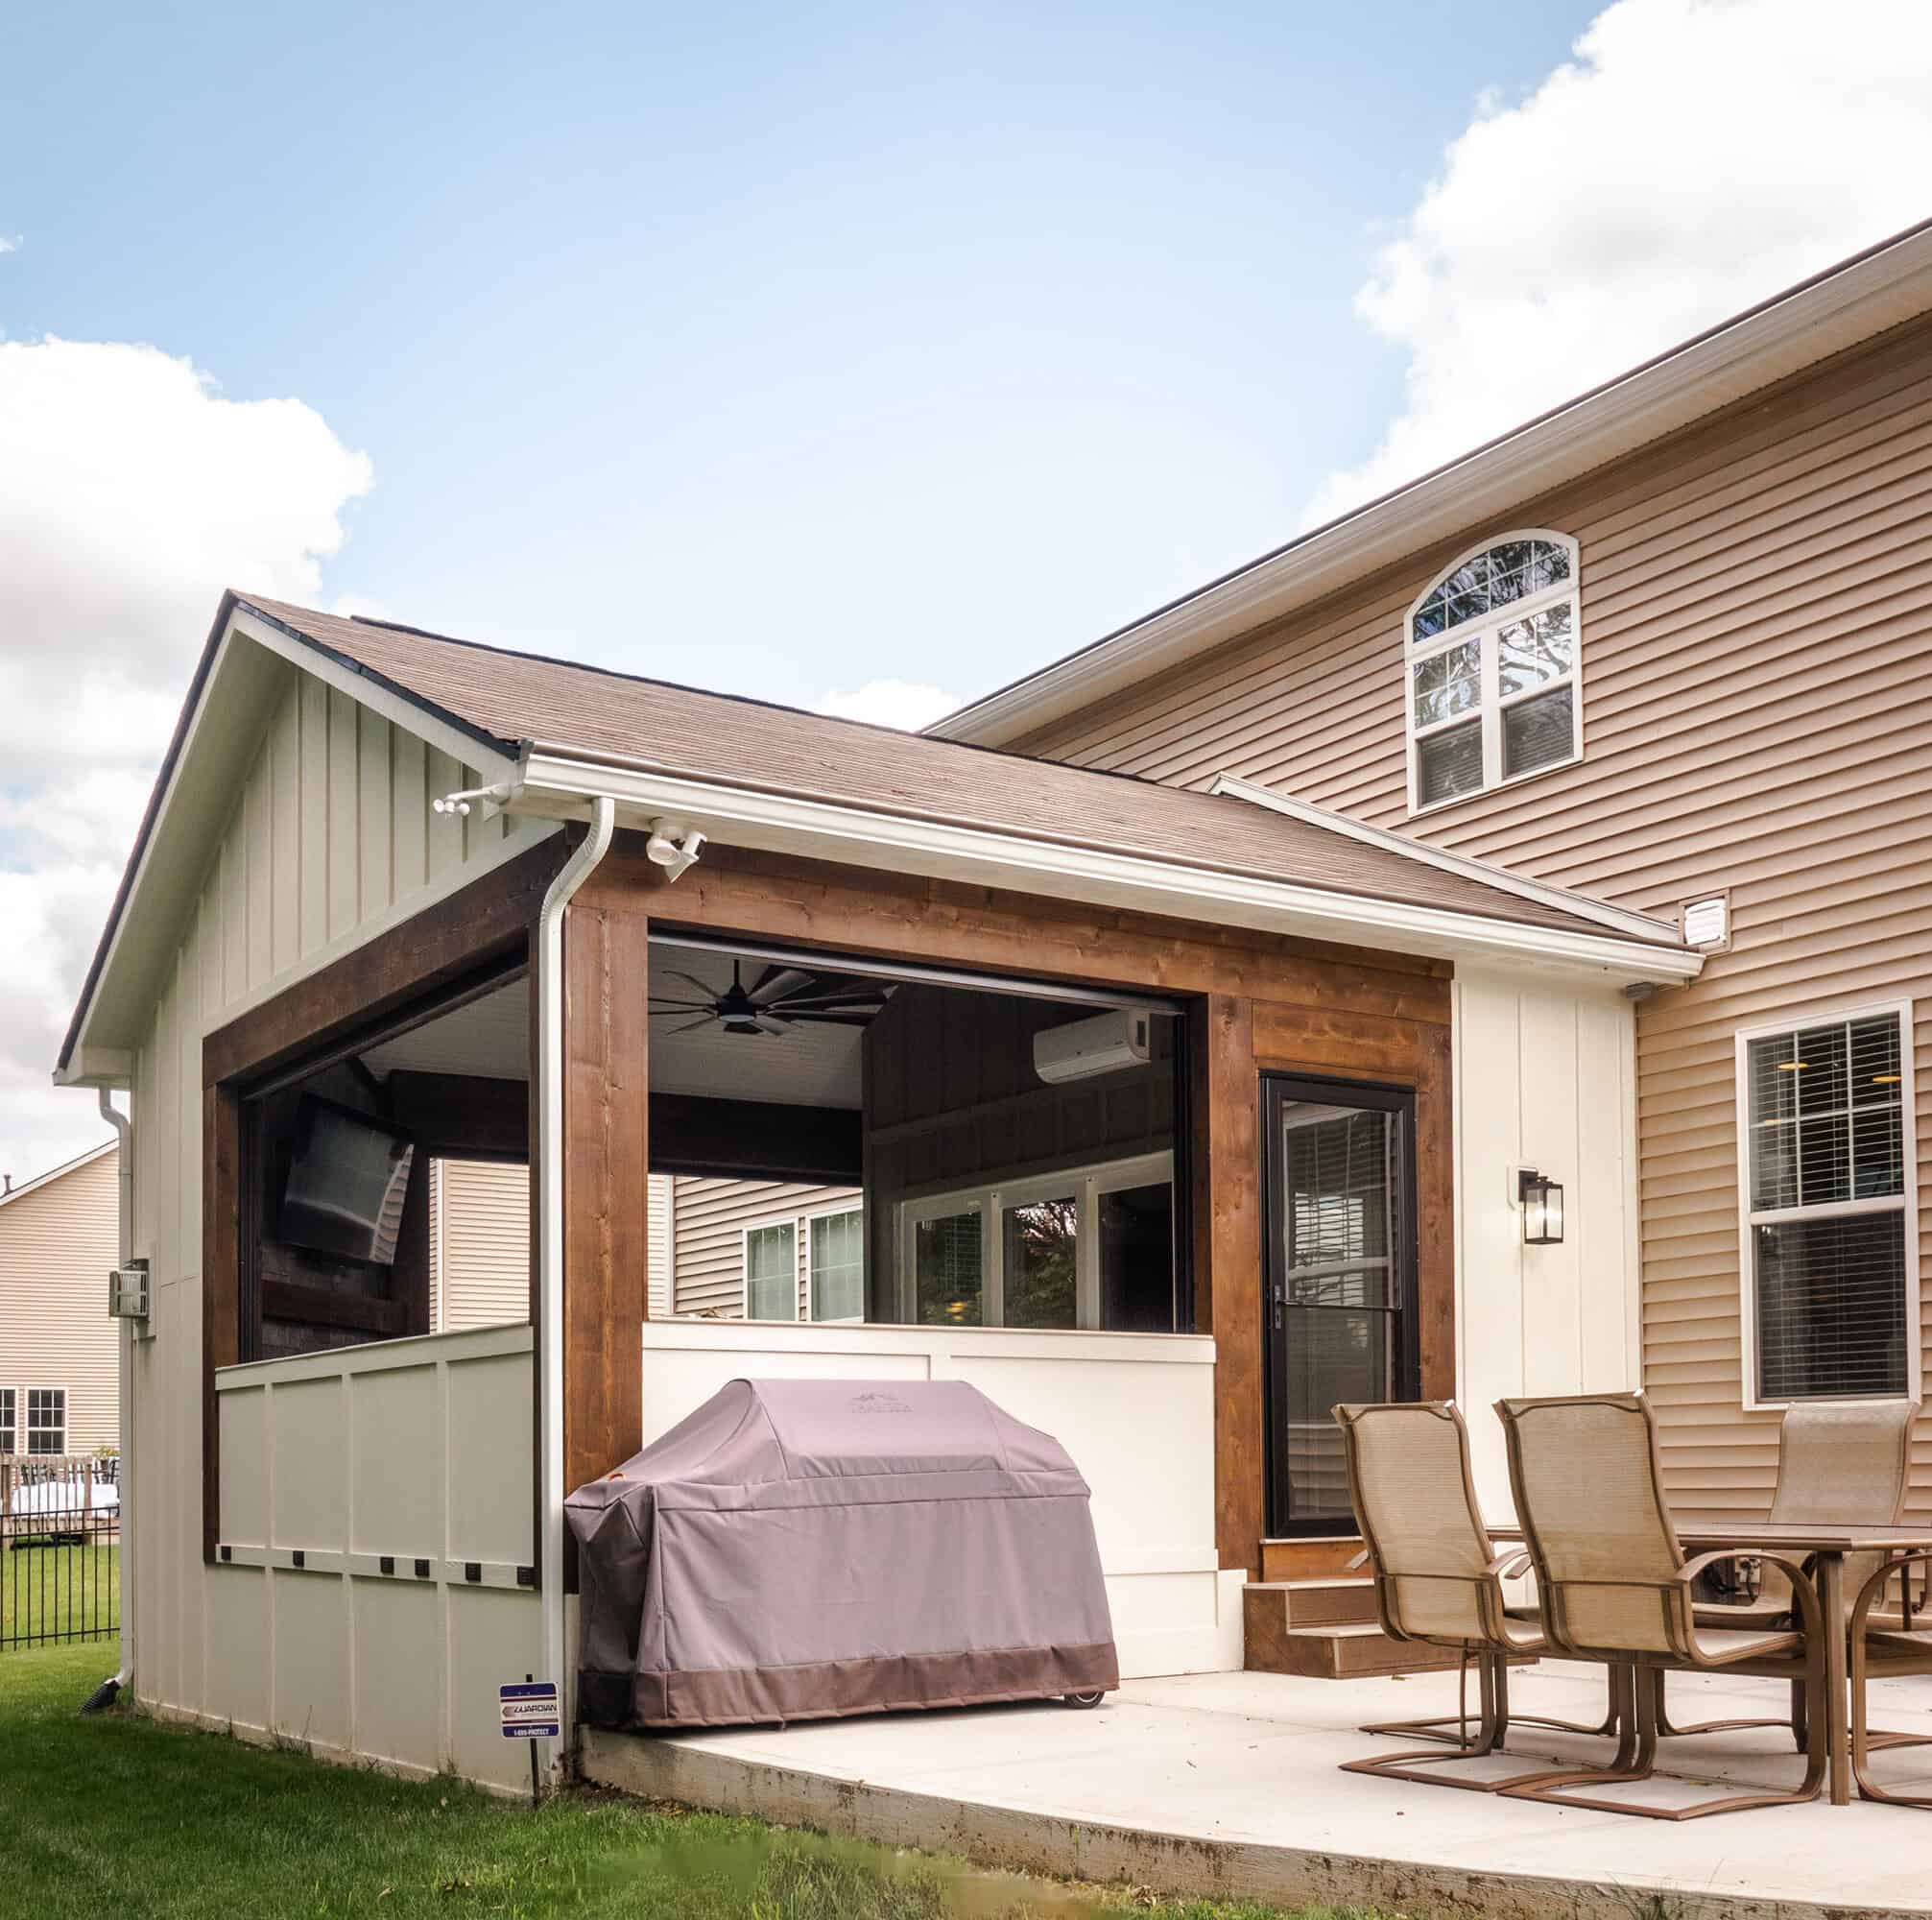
[53,1173]
[221,690]
[1828,314]
[1619,919]
[468,746]
[561,787]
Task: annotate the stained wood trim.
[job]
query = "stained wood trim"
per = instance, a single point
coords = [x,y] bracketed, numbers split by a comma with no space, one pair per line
[606,1160]
[834,908]
[323,1307]
[482,926]
[1225,1173]
[486,923]
[754,1139]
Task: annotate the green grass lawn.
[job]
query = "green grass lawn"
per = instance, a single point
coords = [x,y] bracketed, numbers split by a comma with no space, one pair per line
[118,1816]
[64,1591]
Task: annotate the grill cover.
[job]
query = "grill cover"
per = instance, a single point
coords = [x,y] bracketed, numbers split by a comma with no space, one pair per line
[802,1548]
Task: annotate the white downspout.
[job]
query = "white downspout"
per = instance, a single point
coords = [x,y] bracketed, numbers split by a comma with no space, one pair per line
[124,1168]
[549,1234]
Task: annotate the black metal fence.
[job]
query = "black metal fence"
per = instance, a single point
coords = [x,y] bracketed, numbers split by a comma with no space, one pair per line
[60,1550]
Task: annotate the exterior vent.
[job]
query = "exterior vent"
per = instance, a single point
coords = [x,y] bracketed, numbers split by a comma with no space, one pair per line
[1707,922]
[127,1292]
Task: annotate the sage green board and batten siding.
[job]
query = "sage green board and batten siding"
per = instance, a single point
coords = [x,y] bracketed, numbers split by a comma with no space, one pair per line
[1758,713]
[330,838]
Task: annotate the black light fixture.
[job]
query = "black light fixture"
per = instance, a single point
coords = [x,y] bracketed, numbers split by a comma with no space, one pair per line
[1542,1203]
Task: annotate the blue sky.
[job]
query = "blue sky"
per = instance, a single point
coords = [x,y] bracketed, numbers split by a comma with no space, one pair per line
[776,347]
[807,350]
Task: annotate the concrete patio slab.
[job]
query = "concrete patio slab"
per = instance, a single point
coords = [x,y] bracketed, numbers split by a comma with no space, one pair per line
[1228,1785]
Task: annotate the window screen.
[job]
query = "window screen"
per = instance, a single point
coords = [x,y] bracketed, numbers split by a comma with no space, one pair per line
[838,1254]
[1828,1221]
[771,1273]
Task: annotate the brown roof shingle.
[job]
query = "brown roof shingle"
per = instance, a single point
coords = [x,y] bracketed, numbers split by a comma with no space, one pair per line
[594,713]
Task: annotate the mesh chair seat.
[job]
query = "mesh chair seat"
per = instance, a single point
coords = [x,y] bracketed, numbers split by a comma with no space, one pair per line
[1723,1646]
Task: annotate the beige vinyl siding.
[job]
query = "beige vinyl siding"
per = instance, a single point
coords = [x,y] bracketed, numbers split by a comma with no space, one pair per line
[1756,647]
[711,1217]
[479,1273]
[56,1245]
[330,837]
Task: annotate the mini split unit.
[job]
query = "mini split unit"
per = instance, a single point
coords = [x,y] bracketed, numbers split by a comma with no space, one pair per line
[1082,1048]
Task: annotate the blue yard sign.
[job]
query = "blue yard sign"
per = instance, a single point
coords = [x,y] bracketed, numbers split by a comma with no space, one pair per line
[530,1709]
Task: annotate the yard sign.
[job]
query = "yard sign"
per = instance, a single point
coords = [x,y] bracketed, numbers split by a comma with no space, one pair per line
[529,1710]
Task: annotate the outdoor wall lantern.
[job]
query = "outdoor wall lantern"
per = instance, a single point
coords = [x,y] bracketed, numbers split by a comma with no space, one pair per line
[1541,1199]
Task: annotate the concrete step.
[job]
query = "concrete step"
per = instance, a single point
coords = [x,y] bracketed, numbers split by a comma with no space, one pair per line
[1348,1649]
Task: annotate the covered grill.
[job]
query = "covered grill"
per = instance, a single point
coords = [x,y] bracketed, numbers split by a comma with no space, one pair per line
[802,1548]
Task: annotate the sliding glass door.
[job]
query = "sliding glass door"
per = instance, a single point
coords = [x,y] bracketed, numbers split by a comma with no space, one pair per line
[1341,1324]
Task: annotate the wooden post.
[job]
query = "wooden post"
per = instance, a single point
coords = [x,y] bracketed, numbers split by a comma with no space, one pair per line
[1226,1230]
[605,1170]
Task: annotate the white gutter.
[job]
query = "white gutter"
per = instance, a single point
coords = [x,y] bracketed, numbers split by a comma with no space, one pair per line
[556,786]
[123,1183]
[551,1489]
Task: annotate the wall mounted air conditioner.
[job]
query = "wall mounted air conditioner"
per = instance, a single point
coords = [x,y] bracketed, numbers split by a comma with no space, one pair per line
[128,1292]
[1103,1044]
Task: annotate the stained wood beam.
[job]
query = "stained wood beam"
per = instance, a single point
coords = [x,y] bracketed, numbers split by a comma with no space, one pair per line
[755,1139]
[607,1158]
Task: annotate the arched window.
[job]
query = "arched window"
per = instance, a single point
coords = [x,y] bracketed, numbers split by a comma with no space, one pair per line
[1491,661]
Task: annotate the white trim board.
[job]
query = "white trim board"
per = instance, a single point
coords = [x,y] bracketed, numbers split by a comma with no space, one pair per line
[1793,1021]
[1619,919]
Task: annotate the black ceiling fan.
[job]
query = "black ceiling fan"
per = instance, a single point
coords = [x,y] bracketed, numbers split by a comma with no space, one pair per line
[780,998]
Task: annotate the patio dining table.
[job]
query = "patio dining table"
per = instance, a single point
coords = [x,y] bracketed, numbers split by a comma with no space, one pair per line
[1826,1548]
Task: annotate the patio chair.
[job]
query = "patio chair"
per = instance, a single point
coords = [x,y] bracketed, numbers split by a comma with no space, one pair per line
[1885,1650]
[1437,1578]
[1837,1465]
[1616,1588]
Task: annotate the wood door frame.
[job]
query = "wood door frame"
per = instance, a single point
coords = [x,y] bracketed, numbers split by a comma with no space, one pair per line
[1276,1089]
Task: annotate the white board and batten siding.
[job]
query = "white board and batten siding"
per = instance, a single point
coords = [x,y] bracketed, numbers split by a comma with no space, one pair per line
[1136,1411]
[58,1237]
[330,839]
[1544,1077]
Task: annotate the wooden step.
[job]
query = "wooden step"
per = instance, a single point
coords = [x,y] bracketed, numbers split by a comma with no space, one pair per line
[1327,1602]
[1275,1640]
[1308,1559]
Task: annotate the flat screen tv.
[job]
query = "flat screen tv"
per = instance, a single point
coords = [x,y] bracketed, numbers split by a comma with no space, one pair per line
[345,1186]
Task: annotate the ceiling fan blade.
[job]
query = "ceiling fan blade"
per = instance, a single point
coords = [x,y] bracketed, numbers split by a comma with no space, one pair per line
[775,983]
[766,1024]
[707,1020]
[857,997]
[681,1006]
[705,987]
[834,1019]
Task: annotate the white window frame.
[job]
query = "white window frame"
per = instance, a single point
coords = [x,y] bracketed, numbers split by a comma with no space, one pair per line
[805,1224]
[1489,708]
[1905,1202]
[28,1430]
[9,1425]
[991,1201]
[790,1223]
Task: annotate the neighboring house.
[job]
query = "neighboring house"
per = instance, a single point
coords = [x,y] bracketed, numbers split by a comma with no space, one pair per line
[1670,646]
[727,1249]
[60,1369]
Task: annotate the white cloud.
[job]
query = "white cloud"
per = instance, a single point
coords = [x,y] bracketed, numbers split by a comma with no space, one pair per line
[9,244]
[132,491]
[891,703]
[1694,157]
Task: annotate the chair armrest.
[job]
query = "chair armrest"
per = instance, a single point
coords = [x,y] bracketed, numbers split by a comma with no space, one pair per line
[1360,1560]
[1869,1594]
[1802,1589]
[1507,1565]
